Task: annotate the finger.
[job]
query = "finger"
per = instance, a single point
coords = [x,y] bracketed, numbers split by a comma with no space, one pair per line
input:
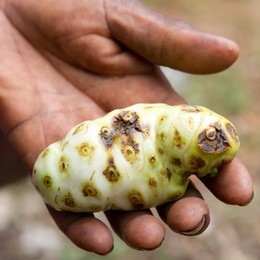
[164,41]
[85,231]
[129,90]
[189,215]
[139,229]
[233,184]
[119,92]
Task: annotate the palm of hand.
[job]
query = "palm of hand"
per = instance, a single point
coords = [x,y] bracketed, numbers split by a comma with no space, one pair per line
[56,87]
[65,64]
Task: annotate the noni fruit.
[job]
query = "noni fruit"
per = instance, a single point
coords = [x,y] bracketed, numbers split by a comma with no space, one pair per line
[133,158]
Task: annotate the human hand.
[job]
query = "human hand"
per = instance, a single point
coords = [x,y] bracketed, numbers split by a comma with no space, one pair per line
[63,62]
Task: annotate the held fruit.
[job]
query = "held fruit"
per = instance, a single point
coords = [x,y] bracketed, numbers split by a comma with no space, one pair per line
[133,158]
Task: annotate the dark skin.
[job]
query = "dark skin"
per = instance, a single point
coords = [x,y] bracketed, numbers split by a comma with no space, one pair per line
[63,62]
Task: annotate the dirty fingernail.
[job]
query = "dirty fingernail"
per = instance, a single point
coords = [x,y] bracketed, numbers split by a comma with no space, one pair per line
[199,229]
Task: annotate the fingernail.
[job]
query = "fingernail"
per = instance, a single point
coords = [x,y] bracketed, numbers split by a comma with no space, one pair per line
[105,253]
[153,248]
[245,203]
[199,229]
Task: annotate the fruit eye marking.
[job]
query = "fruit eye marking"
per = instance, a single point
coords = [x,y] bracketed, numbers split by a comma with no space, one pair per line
[214,140]
[136,199]
[89,190]
[232,132]
[47,181]
[63,165]
[69,201]
[86,150]
[111,173]
[211,133]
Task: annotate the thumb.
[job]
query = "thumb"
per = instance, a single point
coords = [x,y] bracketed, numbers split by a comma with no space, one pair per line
[164,41]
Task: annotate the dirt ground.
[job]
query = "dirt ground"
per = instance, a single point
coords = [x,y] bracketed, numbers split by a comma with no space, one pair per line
[27,231]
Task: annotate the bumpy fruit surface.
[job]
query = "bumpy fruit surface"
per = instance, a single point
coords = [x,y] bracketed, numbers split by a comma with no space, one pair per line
[134,158]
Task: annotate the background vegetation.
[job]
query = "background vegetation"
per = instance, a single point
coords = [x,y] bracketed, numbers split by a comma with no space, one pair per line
[27,231]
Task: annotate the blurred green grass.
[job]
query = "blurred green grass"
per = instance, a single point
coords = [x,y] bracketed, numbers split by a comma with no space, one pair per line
[224,92]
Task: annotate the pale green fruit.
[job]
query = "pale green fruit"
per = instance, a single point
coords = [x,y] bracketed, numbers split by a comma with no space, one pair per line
[133,158]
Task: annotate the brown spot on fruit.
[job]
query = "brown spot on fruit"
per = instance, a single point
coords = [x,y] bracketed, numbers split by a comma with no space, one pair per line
[45,153]
[213,139]
[129,153]
[211,133]
[136,200]
[111,172]
[231,129]
[105,131]
[190,122]
[69,201]
[126,123]
[161,151]
[86,150]
[166,173]
[152,159]
[152,183]
[162,118]
[196,163]
[80,128]
[47,181]
[63,165]
[178,140]
[107,136]
[128,116]
[147,133]
[89,190]
[176,162]
[131,141]
[163,137]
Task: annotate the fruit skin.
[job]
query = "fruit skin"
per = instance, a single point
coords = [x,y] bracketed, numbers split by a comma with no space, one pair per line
[133,158]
